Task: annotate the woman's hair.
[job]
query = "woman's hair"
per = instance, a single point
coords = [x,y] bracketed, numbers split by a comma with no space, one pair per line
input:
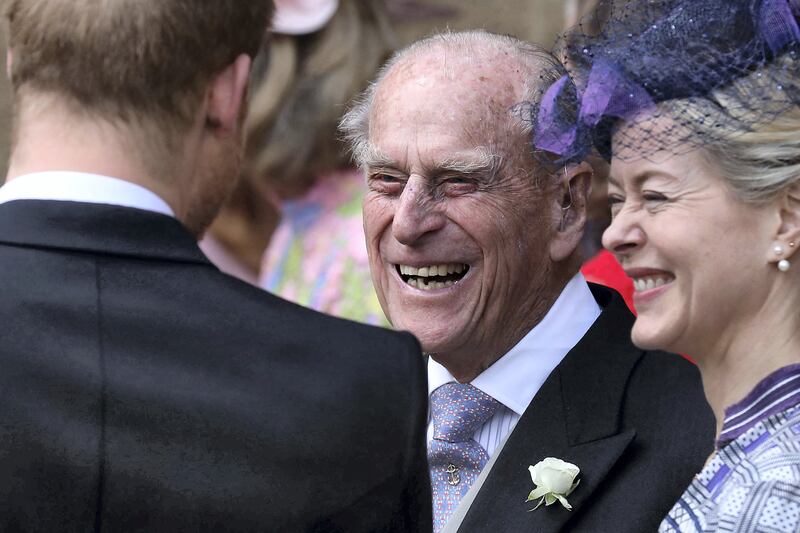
[300,89]
[758,160]
[761,163]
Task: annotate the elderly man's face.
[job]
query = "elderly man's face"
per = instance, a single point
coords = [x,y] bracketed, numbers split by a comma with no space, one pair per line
[456,229]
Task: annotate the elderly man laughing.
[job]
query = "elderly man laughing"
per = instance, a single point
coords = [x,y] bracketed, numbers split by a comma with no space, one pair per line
[473,248]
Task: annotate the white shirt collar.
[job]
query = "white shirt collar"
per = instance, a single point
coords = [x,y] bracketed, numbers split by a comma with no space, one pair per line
[515,378]
[82,187]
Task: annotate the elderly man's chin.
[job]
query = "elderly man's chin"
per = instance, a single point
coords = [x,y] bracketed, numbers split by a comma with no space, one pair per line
[442,326]
[436,334]
[442,320]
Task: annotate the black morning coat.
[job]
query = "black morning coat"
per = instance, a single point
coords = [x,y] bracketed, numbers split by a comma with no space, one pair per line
[635,422]
[143,390]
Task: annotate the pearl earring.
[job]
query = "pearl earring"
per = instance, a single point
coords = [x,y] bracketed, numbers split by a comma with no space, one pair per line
[778,249]
[791,244]
[783,265]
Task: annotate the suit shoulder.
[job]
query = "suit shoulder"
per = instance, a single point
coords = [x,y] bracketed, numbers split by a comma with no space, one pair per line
[285,320]
[665,386]
[667,367]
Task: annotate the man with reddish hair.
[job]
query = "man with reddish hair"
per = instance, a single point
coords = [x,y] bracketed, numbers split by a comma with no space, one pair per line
[142,389]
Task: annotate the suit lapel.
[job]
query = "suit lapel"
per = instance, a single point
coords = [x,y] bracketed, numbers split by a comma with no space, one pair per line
[575,416]
[97,228]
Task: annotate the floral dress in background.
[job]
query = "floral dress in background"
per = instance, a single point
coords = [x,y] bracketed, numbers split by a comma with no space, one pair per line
[318,257]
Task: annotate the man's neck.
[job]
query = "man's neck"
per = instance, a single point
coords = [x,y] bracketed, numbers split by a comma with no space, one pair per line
[52,140]
[468,363]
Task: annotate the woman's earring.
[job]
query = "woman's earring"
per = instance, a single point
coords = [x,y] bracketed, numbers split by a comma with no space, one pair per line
[778,249]
[783,265]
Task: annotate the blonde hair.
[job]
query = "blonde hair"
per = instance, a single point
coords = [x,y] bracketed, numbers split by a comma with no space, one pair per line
[757,161]
[301,89]
[759,164]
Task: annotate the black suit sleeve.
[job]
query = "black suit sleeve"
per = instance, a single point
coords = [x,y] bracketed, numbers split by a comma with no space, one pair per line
[402,503]
[418,506]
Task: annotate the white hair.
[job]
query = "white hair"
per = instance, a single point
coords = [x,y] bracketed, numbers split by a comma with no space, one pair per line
[541,67]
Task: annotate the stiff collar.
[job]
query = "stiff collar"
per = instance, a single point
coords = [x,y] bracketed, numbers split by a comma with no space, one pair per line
[68,186]
[773,394]
[515,378]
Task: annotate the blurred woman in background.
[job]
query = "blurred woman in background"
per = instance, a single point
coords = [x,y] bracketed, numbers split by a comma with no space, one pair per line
[294,224]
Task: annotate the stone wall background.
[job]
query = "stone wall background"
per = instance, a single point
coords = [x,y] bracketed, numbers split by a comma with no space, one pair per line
[534,20]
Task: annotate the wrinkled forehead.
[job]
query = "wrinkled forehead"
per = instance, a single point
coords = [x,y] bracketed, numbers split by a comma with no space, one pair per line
[470,93]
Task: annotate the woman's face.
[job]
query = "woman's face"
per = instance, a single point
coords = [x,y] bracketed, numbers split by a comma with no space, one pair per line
[697,254]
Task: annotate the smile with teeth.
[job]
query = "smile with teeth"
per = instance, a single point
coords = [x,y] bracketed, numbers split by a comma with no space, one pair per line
[434,276]
[649,282]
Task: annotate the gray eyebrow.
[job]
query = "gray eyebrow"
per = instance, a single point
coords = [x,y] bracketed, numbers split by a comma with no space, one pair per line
[484,163]
[374,158]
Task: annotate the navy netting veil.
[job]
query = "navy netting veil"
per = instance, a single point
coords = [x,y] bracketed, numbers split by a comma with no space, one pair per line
[682,73]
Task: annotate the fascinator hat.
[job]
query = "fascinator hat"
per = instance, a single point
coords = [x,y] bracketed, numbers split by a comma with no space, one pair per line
[300,17]
[682,73]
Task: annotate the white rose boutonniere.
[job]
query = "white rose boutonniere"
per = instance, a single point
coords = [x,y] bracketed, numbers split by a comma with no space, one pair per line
[554,480]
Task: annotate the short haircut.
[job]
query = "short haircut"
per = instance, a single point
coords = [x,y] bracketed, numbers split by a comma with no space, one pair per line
[542,67]
[130,60]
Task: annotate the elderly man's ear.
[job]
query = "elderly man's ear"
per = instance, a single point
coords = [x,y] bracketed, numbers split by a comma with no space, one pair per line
[569,209]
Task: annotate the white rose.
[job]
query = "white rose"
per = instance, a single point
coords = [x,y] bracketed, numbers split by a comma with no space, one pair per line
[554,480]
[555,475]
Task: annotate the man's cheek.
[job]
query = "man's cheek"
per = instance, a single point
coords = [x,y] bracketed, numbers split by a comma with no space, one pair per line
[377,217]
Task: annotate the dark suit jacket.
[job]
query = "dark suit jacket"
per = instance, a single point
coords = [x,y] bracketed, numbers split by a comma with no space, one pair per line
[635,422]
[143,390]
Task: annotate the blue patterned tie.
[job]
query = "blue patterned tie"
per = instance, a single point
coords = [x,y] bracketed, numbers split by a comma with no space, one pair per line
[454,457]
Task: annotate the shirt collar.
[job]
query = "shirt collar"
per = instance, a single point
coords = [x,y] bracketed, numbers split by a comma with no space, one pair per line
[515,378]
[775,393]
[83,187]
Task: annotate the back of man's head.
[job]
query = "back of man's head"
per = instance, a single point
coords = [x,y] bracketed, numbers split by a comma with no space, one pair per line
[129,61]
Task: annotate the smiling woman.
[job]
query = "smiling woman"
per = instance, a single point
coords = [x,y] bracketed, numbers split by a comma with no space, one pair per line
[695,251]
[697,106]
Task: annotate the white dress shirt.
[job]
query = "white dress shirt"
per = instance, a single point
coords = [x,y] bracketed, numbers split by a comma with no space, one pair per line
[66,186]
[514,379]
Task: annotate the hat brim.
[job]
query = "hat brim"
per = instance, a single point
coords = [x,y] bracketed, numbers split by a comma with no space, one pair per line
[300,18]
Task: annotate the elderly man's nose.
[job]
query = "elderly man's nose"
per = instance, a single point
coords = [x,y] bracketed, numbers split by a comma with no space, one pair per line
[624,235]
[416,216]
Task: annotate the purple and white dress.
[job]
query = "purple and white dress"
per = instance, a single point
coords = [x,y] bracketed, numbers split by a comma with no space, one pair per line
[752,482]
